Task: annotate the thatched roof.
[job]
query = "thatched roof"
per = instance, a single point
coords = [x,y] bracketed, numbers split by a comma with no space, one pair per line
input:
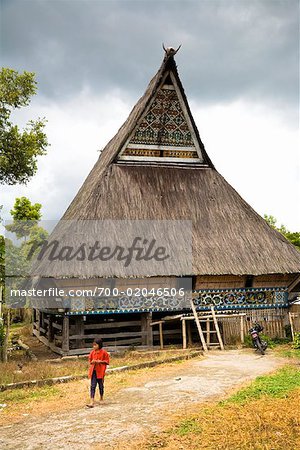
[229,237]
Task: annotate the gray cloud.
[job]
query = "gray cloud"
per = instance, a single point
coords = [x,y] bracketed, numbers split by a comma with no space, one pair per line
[230,49]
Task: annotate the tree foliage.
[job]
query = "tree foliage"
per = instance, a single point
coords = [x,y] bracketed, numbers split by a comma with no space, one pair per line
[25,217]
[293,237]
[18,149]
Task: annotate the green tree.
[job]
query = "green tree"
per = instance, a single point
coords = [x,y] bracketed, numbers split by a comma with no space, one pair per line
[25,217]
[293,237]
[4,313]
[14,258]
[2,260]
[19,149]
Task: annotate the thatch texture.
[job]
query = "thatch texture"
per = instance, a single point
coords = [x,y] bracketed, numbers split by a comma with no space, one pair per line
[229,237]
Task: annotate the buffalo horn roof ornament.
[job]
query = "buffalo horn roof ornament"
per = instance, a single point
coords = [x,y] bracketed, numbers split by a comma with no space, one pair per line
[170,51]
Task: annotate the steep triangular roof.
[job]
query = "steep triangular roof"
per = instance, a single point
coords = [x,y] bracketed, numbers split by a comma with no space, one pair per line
[229,237]
[165,131]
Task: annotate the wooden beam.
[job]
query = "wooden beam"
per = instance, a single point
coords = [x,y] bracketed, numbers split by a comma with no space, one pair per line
[156,323]
[149,330]
[96,326]
[242,330]
[50,329]
[166,318]
[79,329]
[203,318]
[183,334]
[198,326]
[146,329]
[108,335]
[38,321]
[189,332]
[292,324]
[161,339]
[294,283]
[65,335]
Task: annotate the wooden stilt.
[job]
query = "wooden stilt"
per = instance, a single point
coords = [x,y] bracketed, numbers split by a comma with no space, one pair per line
[189,333]
[161,339]
[242,330]
[149,329]
[183,333]
[38,322]
[50,329]
[79,330]
[146,329]
[65,335]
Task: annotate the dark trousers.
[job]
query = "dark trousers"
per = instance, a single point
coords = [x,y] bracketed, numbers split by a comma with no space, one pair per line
[94,382]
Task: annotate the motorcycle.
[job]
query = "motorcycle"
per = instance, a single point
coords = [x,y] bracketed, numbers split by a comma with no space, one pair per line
[258,344]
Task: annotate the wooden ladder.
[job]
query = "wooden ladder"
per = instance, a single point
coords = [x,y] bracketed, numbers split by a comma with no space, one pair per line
[208,317]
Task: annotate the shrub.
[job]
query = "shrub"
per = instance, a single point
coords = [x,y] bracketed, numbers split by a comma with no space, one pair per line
[296,342]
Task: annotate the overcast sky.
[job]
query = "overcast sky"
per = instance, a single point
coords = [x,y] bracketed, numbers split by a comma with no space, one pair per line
[239,65]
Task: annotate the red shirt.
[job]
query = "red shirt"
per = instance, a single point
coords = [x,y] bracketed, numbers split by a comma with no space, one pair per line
[100,369]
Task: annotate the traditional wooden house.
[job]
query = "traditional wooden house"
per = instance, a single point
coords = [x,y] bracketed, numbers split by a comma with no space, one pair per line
[156,167]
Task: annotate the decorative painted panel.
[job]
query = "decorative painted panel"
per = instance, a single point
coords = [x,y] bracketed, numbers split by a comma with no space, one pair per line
[241,298]
[165,123]
[221,299]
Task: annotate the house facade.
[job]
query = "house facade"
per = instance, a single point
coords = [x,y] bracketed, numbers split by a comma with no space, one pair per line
[156,168]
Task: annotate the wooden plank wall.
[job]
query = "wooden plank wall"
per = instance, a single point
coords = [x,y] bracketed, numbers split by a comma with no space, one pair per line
[220,282]
[273,321]
[116,330]
[235,281]
[48,329]
[277,280]
[295,309]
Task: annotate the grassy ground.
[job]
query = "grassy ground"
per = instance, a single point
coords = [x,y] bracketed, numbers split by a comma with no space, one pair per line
[41,370]
[261,416]
[45,368]
[287,352]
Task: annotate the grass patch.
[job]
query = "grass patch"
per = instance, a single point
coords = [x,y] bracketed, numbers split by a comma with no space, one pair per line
[28,394]
[16,326]
[289,353]
[277,385]
[190,425]
[292,353]
[9,372]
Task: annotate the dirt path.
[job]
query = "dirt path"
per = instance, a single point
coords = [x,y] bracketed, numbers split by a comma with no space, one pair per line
[142,407]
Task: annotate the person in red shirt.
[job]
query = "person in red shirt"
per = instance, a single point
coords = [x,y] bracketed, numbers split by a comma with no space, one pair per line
[99,360]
